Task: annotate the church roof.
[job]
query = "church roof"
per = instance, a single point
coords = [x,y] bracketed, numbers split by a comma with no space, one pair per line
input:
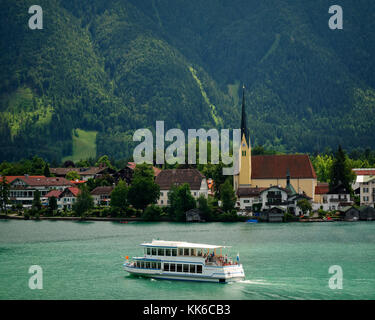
[275,167]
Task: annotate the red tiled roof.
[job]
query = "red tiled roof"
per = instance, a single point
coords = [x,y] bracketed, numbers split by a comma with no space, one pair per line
[45,181]
[364,172]
[276,167]
[167,178]
[132,166]
[53,193]
[10,179]
[74,190]
[322,188]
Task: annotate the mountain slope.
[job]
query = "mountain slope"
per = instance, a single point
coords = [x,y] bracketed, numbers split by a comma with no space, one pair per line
[116,66]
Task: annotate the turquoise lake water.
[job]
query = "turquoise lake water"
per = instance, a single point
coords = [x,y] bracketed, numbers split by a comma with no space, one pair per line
[83,260]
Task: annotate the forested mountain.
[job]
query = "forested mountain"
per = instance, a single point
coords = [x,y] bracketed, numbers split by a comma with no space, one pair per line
[113,66]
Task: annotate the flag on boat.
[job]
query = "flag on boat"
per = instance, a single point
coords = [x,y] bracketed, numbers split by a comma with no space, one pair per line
[238,257]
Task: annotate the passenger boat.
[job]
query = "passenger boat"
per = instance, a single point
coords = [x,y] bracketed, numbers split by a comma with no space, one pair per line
[174,260]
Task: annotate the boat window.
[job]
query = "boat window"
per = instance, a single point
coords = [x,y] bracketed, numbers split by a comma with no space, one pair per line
[193,252]
[172,267]
[142,264]
[174,252]
[180,251]
[186,251]
[200,252]
[160,252]
[153,251]
[153,265]
[192,268]
[168,252]
[166,266]
[147,265]
[158,264]
[199,269]
[186,268]
[137,264]
[179,268]
[148,251]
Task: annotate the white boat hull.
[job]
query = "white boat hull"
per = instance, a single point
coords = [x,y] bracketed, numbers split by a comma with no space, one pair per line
[209,274]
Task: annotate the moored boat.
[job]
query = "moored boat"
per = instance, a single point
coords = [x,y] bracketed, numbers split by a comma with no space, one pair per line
[175,260]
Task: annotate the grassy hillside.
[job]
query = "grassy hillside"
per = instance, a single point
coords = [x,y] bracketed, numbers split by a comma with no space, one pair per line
[84,145]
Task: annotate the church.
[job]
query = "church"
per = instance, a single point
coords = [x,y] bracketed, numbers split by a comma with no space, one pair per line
[265,171]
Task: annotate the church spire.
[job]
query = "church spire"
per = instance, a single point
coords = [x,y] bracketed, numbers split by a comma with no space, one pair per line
[244,130]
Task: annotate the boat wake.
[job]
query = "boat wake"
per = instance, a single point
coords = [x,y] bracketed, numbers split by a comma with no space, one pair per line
[259,282]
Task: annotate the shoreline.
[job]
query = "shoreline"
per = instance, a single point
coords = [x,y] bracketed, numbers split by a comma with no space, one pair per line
[3,217]
[70,218]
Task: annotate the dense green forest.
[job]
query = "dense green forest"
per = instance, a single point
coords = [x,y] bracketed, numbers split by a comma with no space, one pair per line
[112,66]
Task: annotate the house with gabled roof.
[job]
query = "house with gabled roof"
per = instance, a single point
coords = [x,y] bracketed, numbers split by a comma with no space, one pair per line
[68,197]
[283,198]
[65,199]
[102,195]
[176,177]
[331,200]
[23,188]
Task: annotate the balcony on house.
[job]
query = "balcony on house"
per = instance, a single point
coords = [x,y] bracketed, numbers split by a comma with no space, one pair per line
[340,198]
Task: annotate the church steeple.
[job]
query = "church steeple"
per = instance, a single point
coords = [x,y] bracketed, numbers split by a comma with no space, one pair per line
[244,130]
[243,179]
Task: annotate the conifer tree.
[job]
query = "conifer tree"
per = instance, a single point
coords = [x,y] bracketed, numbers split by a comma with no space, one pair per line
[341,172]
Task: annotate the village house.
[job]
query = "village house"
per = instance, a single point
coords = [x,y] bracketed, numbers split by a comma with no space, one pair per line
[264,199]
[176,177]
[102,195]
[365,186]
[68,197]
[23,188]
[65,199]
[247,198]
[332,200]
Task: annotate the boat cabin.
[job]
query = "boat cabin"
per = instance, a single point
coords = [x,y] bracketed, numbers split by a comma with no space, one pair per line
[161,254]
[161,248]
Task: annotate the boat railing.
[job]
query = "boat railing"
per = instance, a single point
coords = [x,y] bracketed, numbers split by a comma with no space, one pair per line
[218,261]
